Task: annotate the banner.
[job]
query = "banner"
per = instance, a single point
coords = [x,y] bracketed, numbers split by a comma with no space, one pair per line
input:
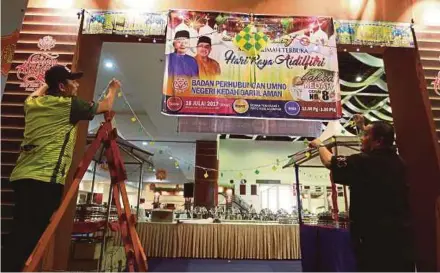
[241,65]
[9,43]
[125,23]
[374,33]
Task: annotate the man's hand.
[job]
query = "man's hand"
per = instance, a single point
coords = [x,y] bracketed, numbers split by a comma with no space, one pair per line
[107,103]
[114,84]
[315,143]
[324,154]
[41,91]
[360,121]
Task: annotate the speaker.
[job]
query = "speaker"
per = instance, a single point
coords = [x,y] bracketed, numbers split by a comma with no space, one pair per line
[188,190]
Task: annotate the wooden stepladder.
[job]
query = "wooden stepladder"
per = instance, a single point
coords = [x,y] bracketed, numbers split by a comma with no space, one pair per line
[106,135]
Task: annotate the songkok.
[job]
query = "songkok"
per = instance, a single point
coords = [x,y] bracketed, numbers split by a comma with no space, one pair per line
[181,34]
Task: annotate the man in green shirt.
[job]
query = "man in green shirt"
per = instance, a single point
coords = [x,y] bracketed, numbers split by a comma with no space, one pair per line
[51,116]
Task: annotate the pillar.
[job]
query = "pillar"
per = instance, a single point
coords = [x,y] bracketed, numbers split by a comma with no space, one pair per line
[86,59]
[206,188]
[417,143]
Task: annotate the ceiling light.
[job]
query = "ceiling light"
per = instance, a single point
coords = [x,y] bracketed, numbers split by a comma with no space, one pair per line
[345,50]
[358,78]
[264,136]
[171,158]
[108,64]
[357,49]
[144,143]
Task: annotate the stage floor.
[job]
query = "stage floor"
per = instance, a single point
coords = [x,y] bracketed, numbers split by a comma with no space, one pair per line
[220,265]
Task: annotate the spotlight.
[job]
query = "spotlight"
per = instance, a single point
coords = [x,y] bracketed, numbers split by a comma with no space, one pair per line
[358,78]
[108,64]
[345,50]
[145,143]
[357,49]
[171,158]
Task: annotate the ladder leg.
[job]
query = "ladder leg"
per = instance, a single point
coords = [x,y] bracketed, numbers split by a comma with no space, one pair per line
[135,254]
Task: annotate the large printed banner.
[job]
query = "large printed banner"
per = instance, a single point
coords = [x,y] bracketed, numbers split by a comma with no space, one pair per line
[374,33]
[257,66]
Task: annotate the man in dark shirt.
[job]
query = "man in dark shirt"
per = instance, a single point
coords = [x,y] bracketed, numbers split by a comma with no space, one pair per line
[379,201]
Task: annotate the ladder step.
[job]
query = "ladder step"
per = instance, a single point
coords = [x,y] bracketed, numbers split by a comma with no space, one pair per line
[49,19]
[15,98]
[7,210]
[9,157]
[12,108]
[6,169]
[50,12]
[34,38]
[12,120]
[7,195]
[12,132]
[33,47]
[48,29]
[11,144]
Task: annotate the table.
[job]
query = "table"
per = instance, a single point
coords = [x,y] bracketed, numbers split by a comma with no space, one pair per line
[223,241]
[326,249]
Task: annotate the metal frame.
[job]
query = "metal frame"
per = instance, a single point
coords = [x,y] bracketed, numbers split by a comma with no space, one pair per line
[302,158]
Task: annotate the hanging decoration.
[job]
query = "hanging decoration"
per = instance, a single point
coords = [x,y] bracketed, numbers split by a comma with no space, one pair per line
[125,23]
[161,174]
[251,41]
[103,165]
[8,44]
[368,59]
[374,33]
[220,19]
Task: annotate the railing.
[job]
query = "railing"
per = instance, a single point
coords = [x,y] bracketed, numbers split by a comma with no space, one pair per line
[237,200]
